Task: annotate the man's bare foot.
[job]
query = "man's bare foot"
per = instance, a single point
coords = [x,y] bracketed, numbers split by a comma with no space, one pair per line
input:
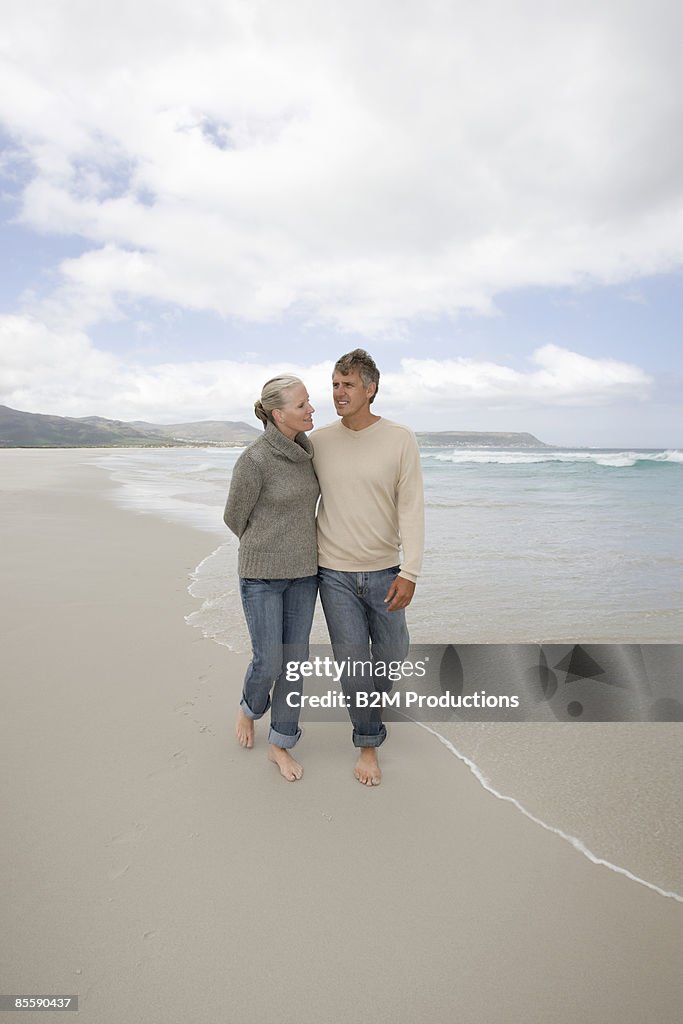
[244,729]
[289,768]
[367,768]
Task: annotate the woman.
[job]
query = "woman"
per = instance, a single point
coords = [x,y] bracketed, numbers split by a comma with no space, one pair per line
[271,508]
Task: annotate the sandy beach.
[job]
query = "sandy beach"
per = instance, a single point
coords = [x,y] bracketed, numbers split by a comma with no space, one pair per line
[164,875]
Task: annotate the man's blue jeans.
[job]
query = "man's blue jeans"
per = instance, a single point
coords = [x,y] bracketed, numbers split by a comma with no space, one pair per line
[279,614]
[361,628]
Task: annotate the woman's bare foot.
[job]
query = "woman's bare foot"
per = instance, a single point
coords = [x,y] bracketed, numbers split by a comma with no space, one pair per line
[367,768]
[289,768]
[244,729]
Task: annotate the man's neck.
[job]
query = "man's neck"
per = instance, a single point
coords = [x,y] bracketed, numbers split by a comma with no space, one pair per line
[360,420]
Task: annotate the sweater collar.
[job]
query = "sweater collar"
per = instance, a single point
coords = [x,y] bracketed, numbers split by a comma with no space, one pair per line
[298,450]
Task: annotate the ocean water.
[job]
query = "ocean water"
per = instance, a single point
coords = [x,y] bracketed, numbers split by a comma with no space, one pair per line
[524,546]
[521,547]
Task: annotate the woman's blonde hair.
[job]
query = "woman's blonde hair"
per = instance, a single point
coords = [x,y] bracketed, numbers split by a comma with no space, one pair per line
[274,396]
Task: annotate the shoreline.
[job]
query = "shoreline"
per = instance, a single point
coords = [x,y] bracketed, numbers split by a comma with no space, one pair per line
[150,856]
[574,841]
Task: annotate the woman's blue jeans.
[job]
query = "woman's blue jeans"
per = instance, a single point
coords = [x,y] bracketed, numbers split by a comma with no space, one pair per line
[279,615]
[362,628]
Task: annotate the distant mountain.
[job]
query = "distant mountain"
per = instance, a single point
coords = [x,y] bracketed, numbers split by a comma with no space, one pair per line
[36,430]
[477,439]
[226,432]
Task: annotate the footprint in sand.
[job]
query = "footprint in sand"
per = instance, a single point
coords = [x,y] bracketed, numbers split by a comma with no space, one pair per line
[178,759]
[117,873]
[203,727]
[132,835]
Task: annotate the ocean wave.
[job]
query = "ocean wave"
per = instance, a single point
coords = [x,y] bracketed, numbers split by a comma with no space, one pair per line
[203,467]
[611,459]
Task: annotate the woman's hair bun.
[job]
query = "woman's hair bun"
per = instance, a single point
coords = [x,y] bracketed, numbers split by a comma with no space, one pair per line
[260,412]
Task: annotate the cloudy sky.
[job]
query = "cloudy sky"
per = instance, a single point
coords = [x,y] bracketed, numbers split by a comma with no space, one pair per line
[486,195]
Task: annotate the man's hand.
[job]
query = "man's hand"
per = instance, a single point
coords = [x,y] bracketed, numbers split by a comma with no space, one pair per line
[399,594]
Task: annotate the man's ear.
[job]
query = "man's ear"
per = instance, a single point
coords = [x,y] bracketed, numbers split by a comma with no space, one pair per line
[372,388]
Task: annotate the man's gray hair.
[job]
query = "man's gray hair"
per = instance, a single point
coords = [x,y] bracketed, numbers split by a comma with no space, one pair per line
[361,361]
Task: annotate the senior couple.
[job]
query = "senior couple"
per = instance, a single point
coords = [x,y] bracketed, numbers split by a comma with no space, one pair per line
[366,471]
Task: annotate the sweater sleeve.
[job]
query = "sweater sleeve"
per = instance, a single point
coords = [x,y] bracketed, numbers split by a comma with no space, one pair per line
[410,509]
[245,487]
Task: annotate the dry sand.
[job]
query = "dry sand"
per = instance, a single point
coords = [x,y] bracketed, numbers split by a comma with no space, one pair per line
[165,875]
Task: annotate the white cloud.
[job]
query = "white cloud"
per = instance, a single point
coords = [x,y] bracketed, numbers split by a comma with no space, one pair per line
[43,370]
[360,163]
[563,378]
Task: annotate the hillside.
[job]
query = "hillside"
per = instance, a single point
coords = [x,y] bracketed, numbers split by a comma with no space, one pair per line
[477,439]
[36,430]
[228,432]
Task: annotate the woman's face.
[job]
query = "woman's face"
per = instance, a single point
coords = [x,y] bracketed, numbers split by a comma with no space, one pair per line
[297,414]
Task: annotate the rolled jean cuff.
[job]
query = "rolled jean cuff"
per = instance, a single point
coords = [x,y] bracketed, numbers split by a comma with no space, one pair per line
[281,739]
[375,739]
[252,714]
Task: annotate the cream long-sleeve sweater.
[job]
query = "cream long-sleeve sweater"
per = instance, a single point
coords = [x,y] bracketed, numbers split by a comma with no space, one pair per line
[372,499]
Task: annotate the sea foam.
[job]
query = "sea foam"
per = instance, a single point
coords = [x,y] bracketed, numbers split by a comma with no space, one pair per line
[611,459]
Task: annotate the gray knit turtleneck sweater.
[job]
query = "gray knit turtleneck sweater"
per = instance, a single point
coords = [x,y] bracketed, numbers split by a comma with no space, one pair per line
[271,507]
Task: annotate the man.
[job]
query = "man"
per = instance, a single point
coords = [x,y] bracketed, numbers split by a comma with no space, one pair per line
[371,505]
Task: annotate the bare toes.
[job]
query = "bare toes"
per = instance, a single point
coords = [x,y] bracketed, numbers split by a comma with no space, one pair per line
[290,769]
[367,770]
[244,730]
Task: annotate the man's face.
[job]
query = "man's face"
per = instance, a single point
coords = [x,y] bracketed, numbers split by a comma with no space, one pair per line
[349,393]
